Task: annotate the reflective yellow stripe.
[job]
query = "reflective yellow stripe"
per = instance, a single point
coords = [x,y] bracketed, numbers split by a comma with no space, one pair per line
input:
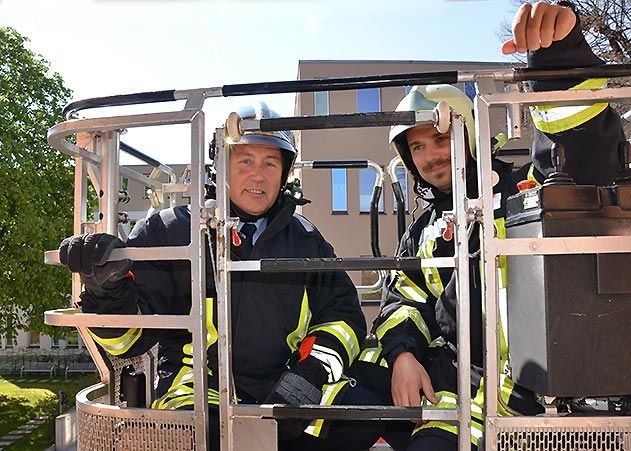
[403,313]
[500,231]
[181,392]
[373,355]
[211,334]
[296,336]
[556,119]
[408,289]
[449,400]
[344,334]
[329,393]
[432,276]
[531,174]
[119,345]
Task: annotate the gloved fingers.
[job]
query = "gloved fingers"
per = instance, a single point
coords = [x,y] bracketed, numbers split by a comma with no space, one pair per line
[76,261]
[112,272]
[87,253]
[103,246]
[63,251]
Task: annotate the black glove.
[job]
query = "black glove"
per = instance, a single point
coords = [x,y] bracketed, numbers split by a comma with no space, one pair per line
[302,384]
[87,255]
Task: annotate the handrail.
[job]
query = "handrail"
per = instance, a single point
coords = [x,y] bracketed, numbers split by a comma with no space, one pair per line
[398,194]
[510,75]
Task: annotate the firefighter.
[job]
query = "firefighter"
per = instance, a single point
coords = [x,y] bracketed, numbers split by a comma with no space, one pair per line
[416,328]
[293,334]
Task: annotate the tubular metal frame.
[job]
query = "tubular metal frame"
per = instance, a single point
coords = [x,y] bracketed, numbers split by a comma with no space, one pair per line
[106,132]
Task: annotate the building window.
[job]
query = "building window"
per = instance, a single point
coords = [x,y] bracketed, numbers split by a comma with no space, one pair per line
[338,190]
[402,177]
[368,100]
[366,185]
[321,103]
[125,184]
[33,339]
[407,89]
[54,342]
[469,89]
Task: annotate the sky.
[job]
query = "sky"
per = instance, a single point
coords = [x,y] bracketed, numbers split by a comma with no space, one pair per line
[109,47]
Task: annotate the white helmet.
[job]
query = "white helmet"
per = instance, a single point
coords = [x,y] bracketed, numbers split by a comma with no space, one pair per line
[283,140]
[426,98]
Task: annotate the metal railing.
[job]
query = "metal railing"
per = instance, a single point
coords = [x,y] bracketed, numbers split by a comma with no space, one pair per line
[102,152]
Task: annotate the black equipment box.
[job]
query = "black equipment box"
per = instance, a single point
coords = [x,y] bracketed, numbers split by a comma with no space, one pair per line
[569,316]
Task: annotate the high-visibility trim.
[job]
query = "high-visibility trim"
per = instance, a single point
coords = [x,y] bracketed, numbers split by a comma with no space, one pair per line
[449,400]
[432,276]
[556,119]
[331,361]
[437,342]
[211,334]
[344,334]
[531,174]
[329,393]
[296,336]
[181,393]
[408,289]
[401,314]
[500,232]
[373,355]
[119,345]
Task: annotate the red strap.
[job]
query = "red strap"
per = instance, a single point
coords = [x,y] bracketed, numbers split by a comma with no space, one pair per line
[525,185]
[236,239]
[130,275]
[305,347]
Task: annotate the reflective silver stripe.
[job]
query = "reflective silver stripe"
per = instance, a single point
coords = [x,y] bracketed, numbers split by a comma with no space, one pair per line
[345,335]
[119,345]
[401,314]
[556,119]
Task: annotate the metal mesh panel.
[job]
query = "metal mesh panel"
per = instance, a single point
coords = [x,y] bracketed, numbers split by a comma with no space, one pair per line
[140,363]
[103,432]
[564,438]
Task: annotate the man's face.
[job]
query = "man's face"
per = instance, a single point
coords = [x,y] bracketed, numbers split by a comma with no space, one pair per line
[255,173]
[431,153]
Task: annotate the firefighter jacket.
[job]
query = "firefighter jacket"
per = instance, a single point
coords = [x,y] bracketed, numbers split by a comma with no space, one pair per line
[418,307]
[271,312]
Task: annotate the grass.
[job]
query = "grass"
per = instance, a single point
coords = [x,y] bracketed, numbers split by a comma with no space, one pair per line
[22,400]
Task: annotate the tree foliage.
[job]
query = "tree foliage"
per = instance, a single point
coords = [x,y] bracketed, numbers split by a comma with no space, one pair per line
[607,24]
[36,195]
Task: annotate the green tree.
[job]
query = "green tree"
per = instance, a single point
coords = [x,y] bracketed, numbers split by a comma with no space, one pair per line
[36,187]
